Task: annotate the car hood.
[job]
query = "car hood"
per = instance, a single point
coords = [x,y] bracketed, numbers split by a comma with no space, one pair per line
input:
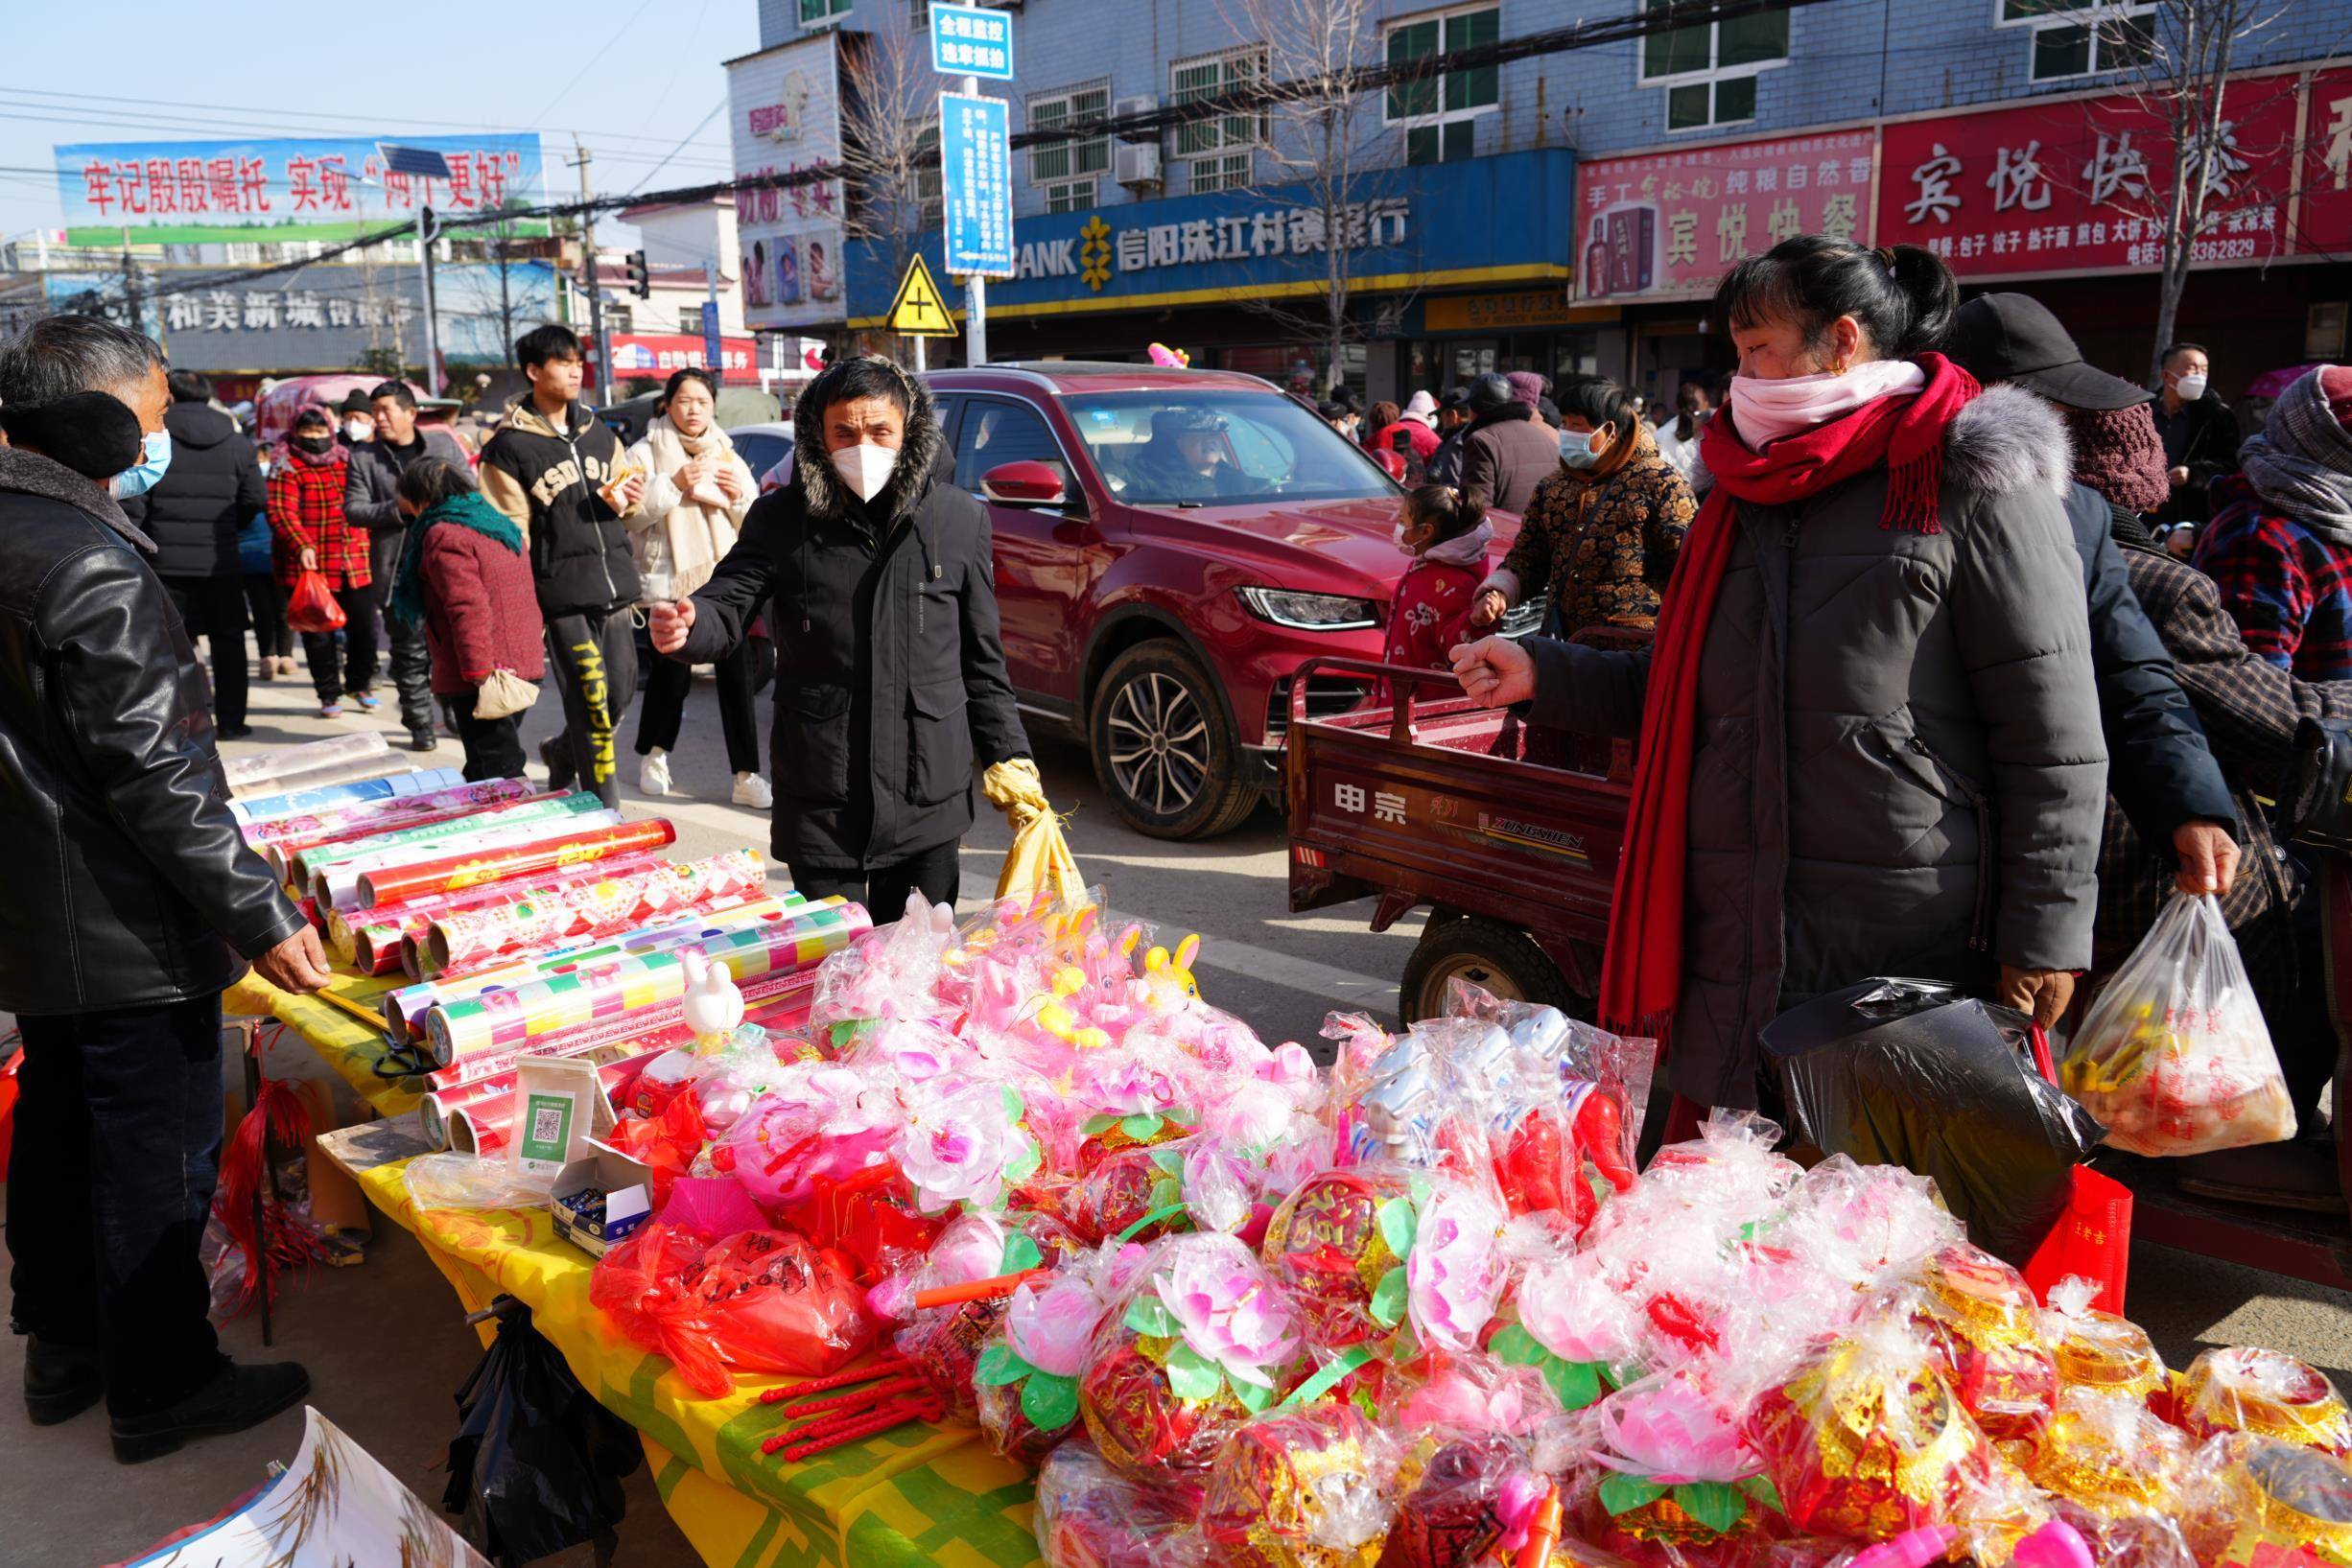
[1349,545]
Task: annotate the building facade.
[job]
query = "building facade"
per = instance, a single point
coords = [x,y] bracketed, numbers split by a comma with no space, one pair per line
[1570,210]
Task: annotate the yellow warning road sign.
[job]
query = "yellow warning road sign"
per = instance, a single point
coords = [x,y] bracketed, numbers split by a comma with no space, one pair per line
[919,311]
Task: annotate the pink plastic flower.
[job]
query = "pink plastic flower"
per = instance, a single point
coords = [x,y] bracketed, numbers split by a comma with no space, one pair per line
[955,1146]
[1051,1328]
[1455,1276]
[1227,1308]
[1249,1113]
[1575,1312]
[917,1049]
[1522,1494]
[1669,1430]
[1123,1082]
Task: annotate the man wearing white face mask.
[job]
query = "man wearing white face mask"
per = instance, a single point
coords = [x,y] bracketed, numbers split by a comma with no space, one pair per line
[2201,445]
[879,580]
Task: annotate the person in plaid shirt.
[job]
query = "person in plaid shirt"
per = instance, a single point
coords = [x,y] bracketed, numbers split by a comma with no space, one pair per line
[2279,548]
[306,515]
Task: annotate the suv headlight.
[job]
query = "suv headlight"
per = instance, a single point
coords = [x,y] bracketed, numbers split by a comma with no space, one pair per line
[1311,612]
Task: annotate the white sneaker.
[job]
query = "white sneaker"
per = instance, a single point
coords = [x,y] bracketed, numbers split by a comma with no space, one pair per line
[653,778]
[750,789]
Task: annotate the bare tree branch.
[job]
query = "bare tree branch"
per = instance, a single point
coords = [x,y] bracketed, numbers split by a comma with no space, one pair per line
[889,143]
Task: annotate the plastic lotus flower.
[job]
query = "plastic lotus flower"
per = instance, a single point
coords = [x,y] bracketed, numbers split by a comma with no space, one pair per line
[1455,1274]
[1129,1082]
[1051,1328]
[917,1049]
[1573,1311]
[1227,1309]
[1669,1430]
[956,1146]
[1250,1113]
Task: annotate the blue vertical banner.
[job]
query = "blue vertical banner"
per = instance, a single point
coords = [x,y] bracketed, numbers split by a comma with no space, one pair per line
[712,355]
[976,158]
[972,40]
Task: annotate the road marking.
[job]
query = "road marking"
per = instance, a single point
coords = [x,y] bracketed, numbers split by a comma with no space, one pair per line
[1291,973]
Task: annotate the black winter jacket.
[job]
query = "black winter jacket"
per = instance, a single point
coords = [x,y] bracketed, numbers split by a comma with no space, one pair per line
[546,479]
[2209,451]
[130,885]
[890,676]
[2159,768]
[371,493]
[212,489]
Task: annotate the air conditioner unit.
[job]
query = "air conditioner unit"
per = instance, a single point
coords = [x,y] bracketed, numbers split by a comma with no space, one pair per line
[1139,104]
[1135,163]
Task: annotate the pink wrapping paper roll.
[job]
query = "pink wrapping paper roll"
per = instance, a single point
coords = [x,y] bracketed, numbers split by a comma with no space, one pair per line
[454,874]
[303,858]
[370,938]
[463,941]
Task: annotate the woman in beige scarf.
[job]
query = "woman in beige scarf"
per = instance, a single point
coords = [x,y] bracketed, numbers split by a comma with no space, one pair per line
[697,492]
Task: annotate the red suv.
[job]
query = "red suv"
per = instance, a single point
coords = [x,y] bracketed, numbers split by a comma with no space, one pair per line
[1172,546]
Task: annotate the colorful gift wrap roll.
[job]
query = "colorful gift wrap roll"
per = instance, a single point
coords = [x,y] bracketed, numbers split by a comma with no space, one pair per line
[280,840]
[279,762]
[488,1101]
[453,873]
[370,938]
[2245,1389]
[629,983]
[304,860]
[393,787]
[593,906]
[778,1003]
[335,879]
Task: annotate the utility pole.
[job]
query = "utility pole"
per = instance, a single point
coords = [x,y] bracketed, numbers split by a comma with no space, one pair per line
[595,291]
[975,286]
[428,231]
[130,282]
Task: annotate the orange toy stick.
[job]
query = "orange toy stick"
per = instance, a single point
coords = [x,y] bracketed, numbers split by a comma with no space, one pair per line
[977,1290]
[1544,1534]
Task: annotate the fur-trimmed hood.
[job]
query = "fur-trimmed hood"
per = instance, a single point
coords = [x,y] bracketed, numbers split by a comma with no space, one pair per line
[2007,440]
[30,473]
[824,497]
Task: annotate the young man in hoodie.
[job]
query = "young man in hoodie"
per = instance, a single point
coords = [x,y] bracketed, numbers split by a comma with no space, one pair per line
[371,501]
[557,470]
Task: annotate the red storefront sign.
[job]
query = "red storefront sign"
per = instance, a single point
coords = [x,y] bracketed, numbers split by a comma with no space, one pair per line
[2082,184]
[1671,224]
[2324,208]
[659,352]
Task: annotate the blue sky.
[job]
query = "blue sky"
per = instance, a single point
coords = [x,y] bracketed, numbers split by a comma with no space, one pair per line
[634,77]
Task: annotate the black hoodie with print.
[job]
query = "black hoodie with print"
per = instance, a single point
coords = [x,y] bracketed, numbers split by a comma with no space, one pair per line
[546,479]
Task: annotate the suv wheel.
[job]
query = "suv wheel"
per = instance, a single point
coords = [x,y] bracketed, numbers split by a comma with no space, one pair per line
[1162,747]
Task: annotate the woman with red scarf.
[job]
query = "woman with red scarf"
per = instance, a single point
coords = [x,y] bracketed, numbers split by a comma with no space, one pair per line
[1869,737]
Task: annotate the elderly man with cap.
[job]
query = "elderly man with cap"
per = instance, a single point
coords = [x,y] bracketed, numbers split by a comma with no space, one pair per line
[1453,417]
[1508,450]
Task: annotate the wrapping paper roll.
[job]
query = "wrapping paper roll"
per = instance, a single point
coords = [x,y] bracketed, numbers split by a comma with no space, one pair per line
[404,1009]
[454,874]
[335,773]
[467,940]
[270,807]
[487,1100]
[284,761]
[613,987]
[330,873]
[280,840]
[369,939]
[779,1003]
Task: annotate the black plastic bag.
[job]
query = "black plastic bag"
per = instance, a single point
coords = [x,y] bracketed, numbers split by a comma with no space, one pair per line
[1911,1073]
[537,1464]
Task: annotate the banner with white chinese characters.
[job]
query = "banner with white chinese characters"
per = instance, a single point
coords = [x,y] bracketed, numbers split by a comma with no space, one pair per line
[213,191]
[783,114]
[1669,225]
[2323,195]
[2082,184]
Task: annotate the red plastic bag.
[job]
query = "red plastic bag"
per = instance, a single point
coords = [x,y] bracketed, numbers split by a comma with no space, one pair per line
[758,1302]
[311,607]
[2092,1238]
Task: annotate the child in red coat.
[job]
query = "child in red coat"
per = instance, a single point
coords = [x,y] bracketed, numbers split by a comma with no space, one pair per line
[1447,536]
[465,579]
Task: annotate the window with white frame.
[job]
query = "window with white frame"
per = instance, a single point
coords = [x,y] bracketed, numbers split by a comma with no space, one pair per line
[1709,72]
[1218,151]
[823,12]
[1438,114]
[1067,173]
[926,172]
[2082,38]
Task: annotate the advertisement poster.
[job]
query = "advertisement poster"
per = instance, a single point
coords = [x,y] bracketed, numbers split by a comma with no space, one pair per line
[783,114]
[2082,184]
[1670,224]
[217,192]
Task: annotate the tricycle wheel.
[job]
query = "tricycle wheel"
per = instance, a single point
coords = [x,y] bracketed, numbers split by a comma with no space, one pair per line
[1489,955]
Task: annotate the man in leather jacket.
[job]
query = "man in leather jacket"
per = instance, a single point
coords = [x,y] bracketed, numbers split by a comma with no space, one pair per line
[132,902]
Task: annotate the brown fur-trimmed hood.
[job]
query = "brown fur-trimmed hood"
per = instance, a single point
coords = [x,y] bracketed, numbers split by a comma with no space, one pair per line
[824,495]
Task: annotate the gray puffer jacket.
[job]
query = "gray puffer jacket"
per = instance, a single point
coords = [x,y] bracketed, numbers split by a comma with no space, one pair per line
[1899,766]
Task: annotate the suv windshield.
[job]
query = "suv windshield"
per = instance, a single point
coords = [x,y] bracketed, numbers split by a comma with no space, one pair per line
[1219,448]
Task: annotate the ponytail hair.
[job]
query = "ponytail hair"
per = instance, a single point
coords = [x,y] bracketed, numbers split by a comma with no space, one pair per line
[1445,508]
[1902,297]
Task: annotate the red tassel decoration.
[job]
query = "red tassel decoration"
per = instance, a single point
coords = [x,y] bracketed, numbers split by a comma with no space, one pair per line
[276,1119]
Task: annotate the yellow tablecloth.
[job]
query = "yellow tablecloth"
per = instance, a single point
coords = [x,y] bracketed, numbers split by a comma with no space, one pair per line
[342,1041]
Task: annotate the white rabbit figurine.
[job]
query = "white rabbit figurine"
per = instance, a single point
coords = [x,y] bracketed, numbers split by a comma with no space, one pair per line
[713,1005]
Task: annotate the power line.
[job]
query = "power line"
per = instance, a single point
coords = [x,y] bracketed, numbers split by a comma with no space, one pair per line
[673,152]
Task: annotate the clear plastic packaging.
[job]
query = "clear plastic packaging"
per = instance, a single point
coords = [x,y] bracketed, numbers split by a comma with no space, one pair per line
[2243,1388]
[2099,1350]
[1088,1516]
[466,1180]
[1312,1487]
[1980,1314]
[2174,1057]
[2259,1502]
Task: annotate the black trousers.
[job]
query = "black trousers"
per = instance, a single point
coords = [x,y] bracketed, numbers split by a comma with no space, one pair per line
[272,638]
[937,871]
[667,683]
[213,608]
[592,658]
[412,662]
[493,746]
[359,635]
[118,1146]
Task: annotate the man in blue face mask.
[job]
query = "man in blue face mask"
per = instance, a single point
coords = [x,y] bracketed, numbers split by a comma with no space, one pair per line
[132,902]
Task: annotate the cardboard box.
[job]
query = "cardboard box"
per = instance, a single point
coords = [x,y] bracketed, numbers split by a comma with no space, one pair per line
[627,1186]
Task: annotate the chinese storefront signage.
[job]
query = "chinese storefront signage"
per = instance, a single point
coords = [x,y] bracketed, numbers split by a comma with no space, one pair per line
[198,192]
[783,108]
[658,353]
[2323,187]
[1095,252]
[1672,223]
[1498,313]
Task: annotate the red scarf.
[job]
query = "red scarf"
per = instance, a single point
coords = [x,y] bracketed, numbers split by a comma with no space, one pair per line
[1641,974]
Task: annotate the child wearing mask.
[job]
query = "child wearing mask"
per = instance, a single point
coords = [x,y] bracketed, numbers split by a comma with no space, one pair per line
[1446,534]
[464,579]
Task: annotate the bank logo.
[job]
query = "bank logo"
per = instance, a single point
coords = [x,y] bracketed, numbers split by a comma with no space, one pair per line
[1094,256]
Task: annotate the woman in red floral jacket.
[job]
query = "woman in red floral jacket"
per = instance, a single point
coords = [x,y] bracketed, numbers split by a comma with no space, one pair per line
[306,518]
[1447,536]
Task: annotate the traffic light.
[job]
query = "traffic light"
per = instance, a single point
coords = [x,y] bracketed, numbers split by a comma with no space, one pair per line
[640,282]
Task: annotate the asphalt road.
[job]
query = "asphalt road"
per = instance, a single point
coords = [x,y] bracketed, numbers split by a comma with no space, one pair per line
[383,1340]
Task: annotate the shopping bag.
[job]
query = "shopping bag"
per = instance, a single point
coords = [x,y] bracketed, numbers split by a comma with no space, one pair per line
[2091,1238]
[1039,861]
[503,695]
[2174,1057]
[310,606]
